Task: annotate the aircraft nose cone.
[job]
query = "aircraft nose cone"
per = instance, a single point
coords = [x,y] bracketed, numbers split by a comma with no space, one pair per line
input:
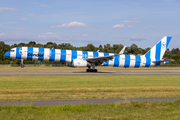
[7,54]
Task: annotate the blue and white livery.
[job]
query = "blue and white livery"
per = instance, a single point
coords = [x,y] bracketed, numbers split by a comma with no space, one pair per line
[75,58]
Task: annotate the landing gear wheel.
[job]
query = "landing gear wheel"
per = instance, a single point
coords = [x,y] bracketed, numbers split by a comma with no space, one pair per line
[91,70]
[22,65]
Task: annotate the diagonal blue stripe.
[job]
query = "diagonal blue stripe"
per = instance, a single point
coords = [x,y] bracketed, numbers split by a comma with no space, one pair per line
[116,61]
[138,61]
[74,55]
[18,52]
[168,41]
[85,54]
[106,63]
[52,57]
[95,54]
[148,59]
[63,55]
[30,53]
[158,53]
[41,54]
[127,61]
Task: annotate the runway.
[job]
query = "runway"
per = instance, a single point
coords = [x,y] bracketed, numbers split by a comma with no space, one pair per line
[84,101]
[124,72]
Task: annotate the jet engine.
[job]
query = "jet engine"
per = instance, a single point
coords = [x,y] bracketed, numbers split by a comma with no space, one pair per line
[79,63]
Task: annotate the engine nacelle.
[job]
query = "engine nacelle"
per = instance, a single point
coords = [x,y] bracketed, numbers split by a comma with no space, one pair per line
[78,63]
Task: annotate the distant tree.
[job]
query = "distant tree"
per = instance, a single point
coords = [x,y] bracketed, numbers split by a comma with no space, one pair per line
[91,47]
[32,43]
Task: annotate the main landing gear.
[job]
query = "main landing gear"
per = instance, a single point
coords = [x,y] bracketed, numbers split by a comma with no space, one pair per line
[91,70]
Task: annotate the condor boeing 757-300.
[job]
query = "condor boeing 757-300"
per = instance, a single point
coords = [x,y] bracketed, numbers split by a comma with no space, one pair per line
[75,58]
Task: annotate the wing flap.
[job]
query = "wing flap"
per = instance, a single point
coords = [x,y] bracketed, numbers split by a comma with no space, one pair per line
[100,60]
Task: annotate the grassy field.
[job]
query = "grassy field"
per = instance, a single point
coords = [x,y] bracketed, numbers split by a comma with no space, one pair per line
[100,68]
[87,87]
[122,111]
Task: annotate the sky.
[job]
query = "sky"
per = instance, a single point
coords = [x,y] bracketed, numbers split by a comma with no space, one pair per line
[97,22]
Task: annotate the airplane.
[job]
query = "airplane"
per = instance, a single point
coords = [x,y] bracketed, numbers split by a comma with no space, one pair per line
[76,58]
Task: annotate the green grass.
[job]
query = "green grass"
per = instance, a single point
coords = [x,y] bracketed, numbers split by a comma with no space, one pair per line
[13,88]
[122,111]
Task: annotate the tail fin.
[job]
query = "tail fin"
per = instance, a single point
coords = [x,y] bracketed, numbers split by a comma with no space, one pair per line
[157,52]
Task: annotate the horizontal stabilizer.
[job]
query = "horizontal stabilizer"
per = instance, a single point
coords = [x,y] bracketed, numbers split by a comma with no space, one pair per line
[163,60]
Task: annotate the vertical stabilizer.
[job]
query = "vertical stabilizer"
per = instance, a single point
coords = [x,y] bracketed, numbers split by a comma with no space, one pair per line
[157,52]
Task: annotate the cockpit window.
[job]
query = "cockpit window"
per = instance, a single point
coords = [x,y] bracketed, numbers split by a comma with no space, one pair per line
[11,50]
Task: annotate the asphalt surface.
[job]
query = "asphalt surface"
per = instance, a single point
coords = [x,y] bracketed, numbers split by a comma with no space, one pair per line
[127,72]
[83,101]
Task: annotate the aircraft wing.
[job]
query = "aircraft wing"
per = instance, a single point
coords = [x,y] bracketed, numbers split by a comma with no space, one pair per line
[100,59]
[104,58]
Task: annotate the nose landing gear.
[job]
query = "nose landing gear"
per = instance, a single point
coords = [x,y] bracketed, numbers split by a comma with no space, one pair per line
[22,65]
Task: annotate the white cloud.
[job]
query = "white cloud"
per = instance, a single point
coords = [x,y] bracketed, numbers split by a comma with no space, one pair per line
[1,25]
[20,28]
[85,35]
[24,19]
[2,34]
[31,15]
[118,26]
[152,27]
[7,9]
[74,24]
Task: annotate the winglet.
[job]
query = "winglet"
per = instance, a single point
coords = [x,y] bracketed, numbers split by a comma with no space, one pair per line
[122,51]
[97,50]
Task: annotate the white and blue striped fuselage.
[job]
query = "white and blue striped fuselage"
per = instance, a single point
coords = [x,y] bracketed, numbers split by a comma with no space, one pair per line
[62,55]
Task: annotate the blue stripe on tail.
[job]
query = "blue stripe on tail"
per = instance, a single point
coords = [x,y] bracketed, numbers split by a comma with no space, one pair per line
[158,53]
[168,41]
[148,59]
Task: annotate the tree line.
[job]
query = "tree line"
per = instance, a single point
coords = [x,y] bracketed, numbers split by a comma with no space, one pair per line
[115,48]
